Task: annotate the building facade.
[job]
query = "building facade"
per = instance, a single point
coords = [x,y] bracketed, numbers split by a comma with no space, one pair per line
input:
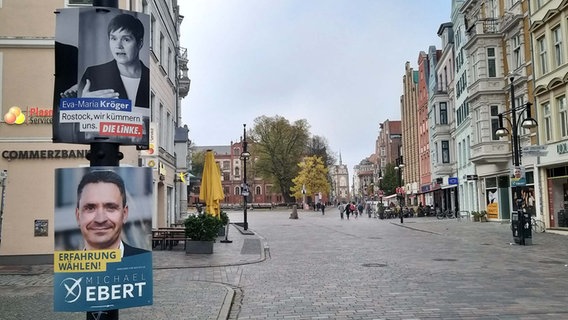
[410,143]
[548,25]
[424,193]
[339,175]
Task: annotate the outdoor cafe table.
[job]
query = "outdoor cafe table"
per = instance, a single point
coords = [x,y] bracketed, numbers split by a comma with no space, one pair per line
[167,237]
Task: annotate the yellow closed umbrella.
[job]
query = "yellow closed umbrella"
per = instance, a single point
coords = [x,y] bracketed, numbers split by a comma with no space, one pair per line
[211,191]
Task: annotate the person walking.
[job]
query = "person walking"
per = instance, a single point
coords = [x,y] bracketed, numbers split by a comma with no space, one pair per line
[341,208]
[322,208]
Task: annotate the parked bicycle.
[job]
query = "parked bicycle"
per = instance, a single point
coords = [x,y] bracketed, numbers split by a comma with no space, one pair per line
[446,214]
[537,225]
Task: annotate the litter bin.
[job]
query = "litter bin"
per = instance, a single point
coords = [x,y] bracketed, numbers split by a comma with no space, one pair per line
[521,227]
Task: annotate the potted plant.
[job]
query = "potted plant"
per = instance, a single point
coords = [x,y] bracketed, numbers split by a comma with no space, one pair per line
[475,215]
[224,220]
[483,216]
[201,229]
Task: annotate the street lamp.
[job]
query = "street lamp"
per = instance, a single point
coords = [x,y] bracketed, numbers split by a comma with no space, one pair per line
[398,168]
[380,178]
[514,121]
[244,157]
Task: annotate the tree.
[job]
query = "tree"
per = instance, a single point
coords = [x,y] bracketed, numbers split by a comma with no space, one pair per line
[390,179]
[197,162]
[277,148]
[318,146]
[312,176]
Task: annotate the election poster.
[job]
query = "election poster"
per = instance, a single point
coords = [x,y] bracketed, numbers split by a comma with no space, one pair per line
[102,77]
[103,225]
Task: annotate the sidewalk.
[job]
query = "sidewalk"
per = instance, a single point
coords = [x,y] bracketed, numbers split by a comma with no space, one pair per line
[210,288]
[548,245]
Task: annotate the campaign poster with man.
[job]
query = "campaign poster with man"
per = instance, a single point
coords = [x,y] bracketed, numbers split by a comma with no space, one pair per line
[103,222]
[102,76]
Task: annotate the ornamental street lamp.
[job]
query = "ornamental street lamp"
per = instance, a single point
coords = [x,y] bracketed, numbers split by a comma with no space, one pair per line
[514,122]
[244,157]
[398,168]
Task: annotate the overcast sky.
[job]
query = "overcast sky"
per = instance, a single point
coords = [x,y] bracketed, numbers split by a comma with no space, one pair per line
[336,63]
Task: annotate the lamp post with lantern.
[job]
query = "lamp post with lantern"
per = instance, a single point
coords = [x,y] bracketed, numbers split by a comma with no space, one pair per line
[514,121]
[245,155]
[399,166]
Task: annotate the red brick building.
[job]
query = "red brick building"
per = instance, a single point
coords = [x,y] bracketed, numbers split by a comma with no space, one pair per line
[231,165]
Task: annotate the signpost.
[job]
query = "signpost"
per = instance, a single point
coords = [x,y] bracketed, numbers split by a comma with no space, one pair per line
[94,278]
[535,150]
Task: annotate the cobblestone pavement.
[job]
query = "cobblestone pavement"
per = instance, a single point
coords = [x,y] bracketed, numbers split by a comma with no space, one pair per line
[322,267]
[185,286]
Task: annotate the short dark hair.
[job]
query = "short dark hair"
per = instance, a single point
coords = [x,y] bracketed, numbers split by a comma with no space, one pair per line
[128,23]
[99,176]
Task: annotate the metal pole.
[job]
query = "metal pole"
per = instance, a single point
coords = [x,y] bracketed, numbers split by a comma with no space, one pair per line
[226,240]
[516,162]
[245,224]
[400,196]
[104,154]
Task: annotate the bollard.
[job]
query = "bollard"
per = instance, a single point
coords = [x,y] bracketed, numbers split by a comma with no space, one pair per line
[294,214]
[226,240]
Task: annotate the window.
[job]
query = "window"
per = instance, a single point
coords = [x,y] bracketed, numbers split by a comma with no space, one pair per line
[226,176]
[460,154]
[443,113]
[237,172]
[152,29]
[491,63]
[517,53]
[467,149]
[445,151]
[161,52]
[561,103]
[257,190]
[226,165]
[169,63]
[169,143]
[161,117]
[494,122]
[542,58]
[79,2]
[445,78]
[547,121]
[152,103]
[558,53]
[435,153]
[237,191]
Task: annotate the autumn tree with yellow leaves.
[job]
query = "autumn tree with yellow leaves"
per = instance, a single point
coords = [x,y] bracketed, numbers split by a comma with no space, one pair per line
[312,176]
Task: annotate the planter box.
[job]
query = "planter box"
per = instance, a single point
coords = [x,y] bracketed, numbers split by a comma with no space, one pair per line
[221,232]
[198,247]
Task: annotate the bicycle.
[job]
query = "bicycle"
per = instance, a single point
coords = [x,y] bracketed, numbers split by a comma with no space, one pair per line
[537,225]
[449,214]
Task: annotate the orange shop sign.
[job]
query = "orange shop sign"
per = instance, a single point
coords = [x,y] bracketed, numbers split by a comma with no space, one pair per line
[28,115]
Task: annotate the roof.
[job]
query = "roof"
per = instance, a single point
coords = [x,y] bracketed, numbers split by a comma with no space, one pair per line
[218,150]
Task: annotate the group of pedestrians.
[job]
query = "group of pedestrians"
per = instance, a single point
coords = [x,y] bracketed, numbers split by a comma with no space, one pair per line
[346,209]
[320,206]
